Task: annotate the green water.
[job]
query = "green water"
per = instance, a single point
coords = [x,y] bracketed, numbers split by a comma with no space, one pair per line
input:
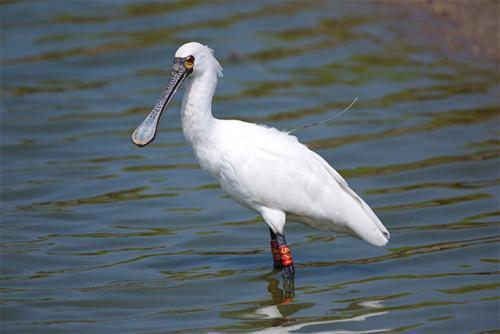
[100,236]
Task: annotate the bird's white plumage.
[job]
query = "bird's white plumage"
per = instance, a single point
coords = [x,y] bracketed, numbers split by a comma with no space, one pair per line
[265,169]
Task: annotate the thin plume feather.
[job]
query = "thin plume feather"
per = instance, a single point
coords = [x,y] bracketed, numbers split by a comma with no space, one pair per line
[325,120]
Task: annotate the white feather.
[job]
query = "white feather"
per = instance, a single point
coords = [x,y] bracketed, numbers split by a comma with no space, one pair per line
[267,170]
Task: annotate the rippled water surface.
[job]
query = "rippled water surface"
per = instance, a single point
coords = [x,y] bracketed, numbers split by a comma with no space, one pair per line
[100,236]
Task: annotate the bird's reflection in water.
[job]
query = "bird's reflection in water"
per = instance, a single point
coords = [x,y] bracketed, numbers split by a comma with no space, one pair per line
[282,292]
[281,296]
[282,309]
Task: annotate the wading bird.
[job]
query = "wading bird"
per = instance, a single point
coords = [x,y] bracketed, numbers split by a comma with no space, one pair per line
[262,168]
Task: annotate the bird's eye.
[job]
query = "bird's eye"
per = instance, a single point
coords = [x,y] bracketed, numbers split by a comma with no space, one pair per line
[188,62]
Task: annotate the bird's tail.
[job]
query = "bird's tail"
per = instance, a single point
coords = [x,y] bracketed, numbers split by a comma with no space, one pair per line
[378,235]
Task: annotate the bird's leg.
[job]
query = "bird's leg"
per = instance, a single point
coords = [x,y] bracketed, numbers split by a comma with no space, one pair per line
[275,250]
[286,257]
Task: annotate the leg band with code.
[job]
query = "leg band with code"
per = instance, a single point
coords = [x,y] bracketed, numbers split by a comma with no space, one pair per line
[286,256]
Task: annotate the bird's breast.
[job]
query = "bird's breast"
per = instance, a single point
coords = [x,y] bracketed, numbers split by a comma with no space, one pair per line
[209,159]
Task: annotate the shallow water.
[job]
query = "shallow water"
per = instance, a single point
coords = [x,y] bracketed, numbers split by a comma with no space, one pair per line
[99,235]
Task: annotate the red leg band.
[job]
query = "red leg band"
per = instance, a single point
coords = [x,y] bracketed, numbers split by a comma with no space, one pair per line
[286,256]
[275,251]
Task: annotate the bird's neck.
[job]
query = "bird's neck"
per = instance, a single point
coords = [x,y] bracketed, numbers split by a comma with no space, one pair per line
[196,113]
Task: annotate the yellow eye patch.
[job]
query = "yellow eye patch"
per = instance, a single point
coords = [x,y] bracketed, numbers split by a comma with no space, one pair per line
[189,62]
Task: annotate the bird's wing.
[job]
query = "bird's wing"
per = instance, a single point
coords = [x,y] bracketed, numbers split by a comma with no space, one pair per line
[345,186]
[264,167]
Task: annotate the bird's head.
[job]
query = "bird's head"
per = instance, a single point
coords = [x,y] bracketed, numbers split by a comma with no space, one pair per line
[191,59]
[202,57]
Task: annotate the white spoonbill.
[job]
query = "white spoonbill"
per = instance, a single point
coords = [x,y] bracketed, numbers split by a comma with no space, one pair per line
[262,168]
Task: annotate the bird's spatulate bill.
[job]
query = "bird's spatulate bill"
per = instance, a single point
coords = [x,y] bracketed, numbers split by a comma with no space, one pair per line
[146,131]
